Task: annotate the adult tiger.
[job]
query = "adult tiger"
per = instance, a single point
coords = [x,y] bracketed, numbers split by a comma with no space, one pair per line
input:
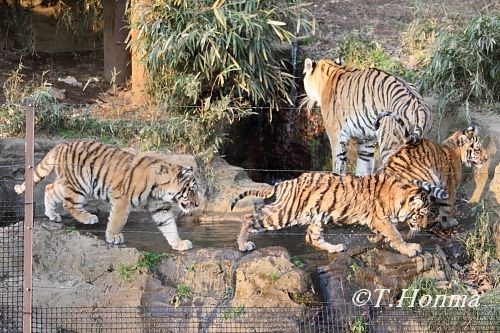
[377,201]
[89,169]
[438,164]
[350,100]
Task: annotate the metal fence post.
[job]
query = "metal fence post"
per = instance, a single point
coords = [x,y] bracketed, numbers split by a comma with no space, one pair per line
[28,218]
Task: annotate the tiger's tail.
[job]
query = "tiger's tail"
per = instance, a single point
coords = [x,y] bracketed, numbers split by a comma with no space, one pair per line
[433,190]
[43,169]
[264,193]
[409,138]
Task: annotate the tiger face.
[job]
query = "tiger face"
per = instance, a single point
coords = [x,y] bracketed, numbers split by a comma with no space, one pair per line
[187,197]
[415,210]
[471,147]
[420,212]
[180,188]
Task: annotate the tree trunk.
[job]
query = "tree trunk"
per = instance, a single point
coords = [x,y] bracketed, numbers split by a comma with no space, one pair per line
[116,55]
[139,71]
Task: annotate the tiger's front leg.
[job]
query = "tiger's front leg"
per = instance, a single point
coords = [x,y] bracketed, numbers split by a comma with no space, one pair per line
[246,226]
[118,216]
[74,202]
[165,220]
[366,157]
[315,237]
[339,152]
[392,235]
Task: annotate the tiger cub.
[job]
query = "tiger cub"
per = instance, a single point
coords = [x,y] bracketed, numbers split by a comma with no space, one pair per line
[350,100]
[89,169]
[439,164]
[313,199]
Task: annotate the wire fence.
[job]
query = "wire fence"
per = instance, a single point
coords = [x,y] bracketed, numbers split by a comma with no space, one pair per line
[11,266]
[325,318]
[219,317]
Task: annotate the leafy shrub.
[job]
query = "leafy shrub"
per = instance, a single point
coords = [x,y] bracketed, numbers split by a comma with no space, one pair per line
[210,62]
[229,48]
[466,64]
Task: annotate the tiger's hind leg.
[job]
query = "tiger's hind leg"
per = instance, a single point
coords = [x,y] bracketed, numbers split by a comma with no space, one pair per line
[118,215]
[73,202]
[54,195]
[315,237]
[392,235]
[365,164]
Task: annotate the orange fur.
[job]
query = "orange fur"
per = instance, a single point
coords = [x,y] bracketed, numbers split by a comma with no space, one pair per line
[350,100]
[439,164]
[89,169]
[313,199]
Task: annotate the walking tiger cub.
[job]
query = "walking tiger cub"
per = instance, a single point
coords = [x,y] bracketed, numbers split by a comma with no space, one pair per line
[350,100]
[313,199]
[438,164]
[89,169]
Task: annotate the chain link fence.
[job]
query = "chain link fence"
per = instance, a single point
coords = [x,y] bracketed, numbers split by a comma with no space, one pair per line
[344,317]
[326,318]
[11,266]
[318,318]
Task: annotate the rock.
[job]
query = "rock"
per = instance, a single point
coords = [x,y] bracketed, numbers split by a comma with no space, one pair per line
[213,289]
[230,181]
[267,278]
[218,289]
[379,269]
[495,185]
[71,269]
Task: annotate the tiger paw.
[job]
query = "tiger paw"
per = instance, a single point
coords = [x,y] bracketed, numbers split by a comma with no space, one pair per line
[19,189]
[247,246]
[91,220]
[335,248]
[115,239]
[375,238]
[410,249]
[54,217]
[183,245]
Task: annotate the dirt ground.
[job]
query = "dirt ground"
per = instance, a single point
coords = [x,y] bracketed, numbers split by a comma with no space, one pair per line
[388,19]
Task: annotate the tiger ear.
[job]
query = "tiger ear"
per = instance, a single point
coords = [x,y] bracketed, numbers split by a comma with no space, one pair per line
[463,139]
[308,66]
[339,60]
[467,134]
[186,172]
[472,129]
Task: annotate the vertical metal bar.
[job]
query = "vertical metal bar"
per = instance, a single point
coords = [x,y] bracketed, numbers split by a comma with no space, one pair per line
[28,217]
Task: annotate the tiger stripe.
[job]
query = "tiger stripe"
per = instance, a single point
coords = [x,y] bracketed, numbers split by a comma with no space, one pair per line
[351,99]
[319,198]
[439,163]
[87,169]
